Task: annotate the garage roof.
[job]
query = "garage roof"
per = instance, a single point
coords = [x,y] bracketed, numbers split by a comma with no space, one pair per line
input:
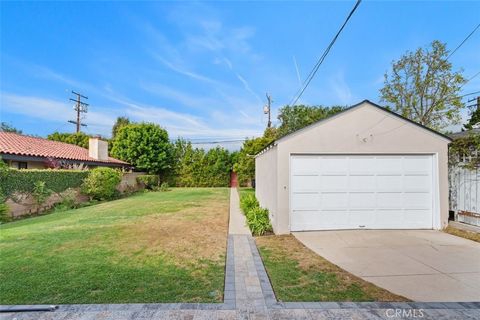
[349,109]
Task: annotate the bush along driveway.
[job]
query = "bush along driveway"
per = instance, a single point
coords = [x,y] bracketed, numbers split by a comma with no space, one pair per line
[151,247]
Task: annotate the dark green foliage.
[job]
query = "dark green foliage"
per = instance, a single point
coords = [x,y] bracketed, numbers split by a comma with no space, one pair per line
[150,181]
[101,183]
[423,87]
[120,122]
[5,127]
[465,151]
[200,168]
[474,117]
[4,210]
[245,163]
[144,145]
[293,118]
[23,181]
[257,218]
[80,139]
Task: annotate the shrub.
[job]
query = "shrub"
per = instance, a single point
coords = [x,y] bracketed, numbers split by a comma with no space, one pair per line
[164,187]
[248,202]
[22,181]
[150,181]
[4,214]
[101,183]
[68,201]
[257,218]
[40,193]
[258,221]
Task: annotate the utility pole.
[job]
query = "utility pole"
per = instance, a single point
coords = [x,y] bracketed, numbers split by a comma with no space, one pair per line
[80,107]
[267,109]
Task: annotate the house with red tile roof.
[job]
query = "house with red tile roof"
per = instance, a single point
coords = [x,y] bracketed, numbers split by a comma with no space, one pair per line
[26,152]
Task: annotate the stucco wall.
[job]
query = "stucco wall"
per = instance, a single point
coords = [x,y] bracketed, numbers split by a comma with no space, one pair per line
[365,129]
[265,182]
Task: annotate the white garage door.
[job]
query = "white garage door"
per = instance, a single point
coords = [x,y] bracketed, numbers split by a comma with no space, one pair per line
[361,192]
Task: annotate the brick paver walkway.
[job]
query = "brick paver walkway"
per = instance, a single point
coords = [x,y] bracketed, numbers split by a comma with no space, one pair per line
[249,295]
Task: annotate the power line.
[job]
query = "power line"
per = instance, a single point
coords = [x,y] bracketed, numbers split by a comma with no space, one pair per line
[475,75]
[324,55]
[464,40]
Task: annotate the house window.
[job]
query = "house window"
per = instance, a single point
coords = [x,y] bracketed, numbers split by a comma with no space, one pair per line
[22,165]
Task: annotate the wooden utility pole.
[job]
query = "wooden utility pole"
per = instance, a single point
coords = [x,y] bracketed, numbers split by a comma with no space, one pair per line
[80,107]
[267,109]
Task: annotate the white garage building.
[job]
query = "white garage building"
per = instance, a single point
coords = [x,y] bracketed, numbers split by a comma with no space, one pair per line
[364,168]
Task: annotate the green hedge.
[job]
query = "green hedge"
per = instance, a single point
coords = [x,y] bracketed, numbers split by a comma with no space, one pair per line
[22,181]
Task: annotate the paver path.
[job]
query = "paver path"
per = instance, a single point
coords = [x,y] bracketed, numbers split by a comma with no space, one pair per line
[249,295]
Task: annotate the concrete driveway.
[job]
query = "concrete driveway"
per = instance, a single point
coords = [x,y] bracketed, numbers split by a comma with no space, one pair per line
[422,265]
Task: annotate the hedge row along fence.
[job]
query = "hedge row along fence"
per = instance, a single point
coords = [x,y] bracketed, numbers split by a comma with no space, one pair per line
[22,181]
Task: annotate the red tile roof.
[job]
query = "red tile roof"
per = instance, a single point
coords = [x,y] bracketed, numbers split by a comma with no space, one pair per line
[12,143]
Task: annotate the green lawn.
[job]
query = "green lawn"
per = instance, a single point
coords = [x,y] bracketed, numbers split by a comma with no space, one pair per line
[298,274]
[151,247]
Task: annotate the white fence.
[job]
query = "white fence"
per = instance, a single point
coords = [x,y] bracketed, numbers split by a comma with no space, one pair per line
[465,194]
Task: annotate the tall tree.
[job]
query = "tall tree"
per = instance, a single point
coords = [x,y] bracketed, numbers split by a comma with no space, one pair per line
[120,122]
[5,127]
[245,161]
[423,87]
[78,138]
[474,116]
[293,118]
[144,145]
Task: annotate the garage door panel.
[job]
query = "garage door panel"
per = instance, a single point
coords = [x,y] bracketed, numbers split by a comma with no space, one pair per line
[332,165]
[334,200]
[389,219]
[389,183]
[417,182]
[304,164]
[362,182]
[417,164]
[417,218]
[334,182]
[305,183]
[390,200]
[417,200]
[305,201]
[360,218]
[362,200]
[311,220]
[361,165]
[388,165]
[361,191]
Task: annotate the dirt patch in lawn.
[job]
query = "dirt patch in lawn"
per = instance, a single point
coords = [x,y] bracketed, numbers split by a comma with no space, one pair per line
[463,233]
[191,234]
[299,274]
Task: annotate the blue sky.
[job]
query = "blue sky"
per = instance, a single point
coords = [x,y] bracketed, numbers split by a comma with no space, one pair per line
[201,69]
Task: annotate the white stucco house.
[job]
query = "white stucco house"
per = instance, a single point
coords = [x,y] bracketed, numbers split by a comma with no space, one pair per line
[364,168]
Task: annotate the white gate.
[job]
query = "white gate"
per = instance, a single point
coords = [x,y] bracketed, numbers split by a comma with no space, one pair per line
[465,194]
